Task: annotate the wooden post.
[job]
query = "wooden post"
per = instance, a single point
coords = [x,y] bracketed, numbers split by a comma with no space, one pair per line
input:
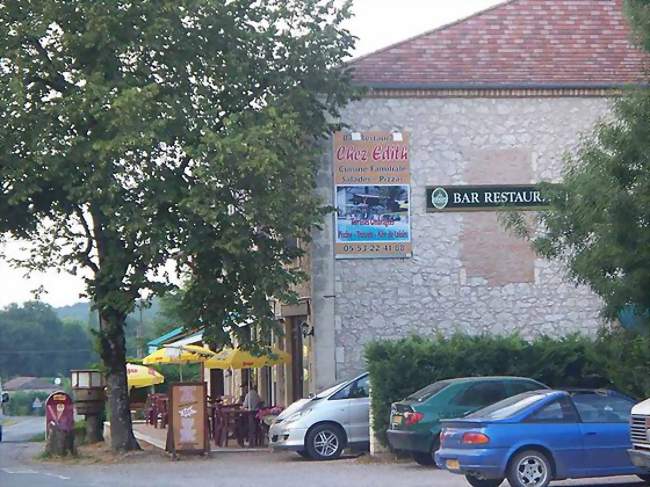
[59,442]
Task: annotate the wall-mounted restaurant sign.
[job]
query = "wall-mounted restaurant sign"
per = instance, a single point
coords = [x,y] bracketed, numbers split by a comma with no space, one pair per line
[485,197]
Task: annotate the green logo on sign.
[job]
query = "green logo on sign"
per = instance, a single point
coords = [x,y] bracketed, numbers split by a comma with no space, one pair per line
[439,198]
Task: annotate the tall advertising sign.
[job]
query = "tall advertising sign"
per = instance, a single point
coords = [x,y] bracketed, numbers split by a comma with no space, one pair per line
[372,181]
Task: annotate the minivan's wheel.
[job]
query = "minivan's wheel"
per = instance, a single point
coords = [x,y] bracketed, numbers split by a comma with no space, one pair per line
[476,482]
[427,459]
[325,442]
[529,468]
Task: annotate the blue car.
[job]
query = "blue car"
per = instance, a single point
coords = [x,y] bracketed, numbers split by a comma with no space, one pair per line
[539,436]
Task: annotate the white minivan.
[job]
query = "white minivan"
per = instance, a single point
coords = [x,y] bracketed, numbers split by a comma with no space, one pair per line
[321,427]
[640,435]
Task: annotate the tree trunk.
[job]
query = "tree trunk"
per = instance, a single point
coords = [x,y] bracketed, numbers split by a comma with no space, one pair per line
[113,261]
[114,357]
[59,443]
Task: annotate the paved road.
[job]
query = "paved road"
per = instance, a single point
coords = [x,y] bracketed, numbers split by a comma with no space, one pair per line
[229,470]
[22,428]
[17,469]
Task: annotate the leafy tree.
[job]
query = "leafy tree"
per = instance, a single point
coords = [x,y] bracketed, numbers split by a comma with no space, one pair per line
[138,133]
[35,342]
[598,219]
[638,12]
[170,314]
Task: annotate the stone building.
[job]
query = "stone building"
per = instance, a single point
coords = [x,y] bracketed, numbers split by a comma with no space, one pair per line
[494,99]
[491,101]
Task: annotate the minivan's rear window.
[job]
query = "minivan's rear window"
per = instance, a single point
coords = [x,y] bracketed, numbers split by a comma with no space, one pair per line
[428,391]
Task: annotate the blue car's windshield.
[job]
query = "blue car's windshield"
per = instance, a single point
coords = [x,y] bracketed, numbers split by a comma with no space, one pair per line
[508,407]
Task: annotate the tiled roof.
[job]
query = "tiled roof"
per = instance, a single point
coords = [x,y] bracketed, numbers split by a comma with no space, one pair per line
[29,384]
[516,43]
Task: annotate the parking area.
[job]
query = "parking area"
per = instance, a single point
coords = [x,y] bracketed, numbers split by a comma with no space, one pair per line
[17,469]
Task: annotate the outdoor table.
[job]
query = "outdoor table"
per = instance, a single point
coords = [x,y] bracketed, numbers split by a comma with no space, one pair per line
[156,411]
[240,423]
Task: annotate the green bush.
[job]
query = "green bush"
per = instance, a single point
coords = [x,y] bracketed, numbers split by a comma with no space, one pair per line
[80,432]
[626,360]
[616,359]
[20,403]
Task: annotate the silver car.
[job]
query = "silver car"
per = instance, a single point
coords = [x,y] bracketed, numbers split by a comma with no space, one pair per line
[321,427]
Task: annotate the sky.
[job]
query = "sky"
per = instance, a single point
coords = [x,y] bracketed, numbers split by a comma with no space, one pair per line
[377,23]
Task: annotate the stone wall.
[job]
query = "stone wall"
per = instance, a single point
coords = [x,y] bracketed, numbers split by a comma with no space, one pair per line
[467,274]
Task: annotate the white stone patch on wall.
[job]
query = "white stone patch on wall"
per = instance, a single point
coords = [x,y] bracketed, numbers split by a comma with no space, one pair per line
[433,292]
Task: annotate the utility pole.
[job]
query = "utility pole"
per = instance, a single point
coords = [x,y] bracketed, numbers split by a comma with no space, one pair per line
[139,332]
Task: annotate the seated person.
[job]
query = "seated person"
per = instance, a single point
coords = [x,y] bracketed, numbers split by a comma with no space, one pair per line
[252,400]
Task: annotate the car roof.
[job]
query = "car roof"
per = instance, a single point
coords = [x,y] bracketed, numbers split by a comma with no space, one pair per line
[588,390]
[599,391]
[574,391]
[489,378]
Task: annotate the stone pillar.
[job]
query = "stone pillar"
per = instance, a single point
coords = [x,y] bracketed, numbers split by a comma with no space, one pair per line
[376,448]
[323,291]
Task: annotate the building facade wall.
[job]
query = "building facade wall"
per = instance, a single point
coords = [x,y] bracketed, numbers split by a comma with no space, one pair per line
[467,274]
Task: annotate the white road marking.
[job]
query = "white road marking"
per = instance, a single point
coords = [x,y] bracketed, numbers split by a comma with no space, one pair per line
[56,476]
[34,472]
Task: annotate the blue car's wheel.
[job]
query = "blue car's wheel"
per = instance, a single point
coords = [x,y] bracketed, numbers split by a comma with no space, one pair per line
[530,468]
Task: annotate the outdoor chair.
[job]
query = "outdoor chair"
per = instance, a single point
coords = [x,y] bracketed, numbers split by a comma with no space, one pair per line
[156,410]
[162,411]
[150,412]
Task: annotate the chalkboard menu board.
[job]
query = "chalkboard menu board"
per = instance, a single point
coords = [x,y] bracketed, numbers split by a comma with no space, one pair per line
[188,419]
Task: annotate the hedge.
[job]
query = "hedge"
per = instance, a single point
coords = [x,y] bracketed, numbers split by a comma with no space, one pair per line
[615,359]
[20,403]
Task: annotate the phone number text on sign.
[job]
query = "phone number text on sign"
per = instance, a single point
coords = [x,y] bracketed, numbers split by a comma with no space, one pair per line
[397,249]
